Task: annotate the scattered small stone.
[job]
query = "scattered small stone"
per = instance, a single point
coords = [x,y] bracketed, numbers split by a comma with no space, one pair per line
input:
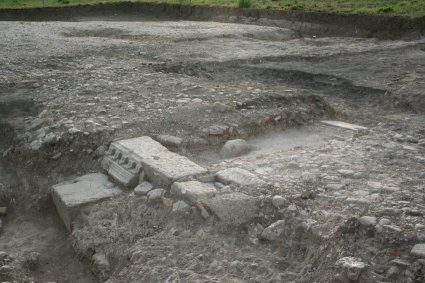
[273,231]
[280,202]
[156,194]
[367,220]
[32,260]
[101,263]
[234,148]
[180,206]
[418,250]
[143,189]
[392,272]
[346,173]
[57,156]
[169,141]
[36,145]
[3,255]
[351,267]
[3,210]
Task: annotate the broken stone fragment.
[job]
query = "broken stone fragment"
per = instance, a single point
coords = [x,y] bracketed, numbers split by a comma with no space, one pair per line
[70,197]
[280,202]
[180,207]
[351,267]
[234,148]
[344,125]
[234,208]
[367,220]
[143,189]
[273,231]
[156,195]
[101,263]
[239,176]
[193,191]
[3,211]
[418,250]
[170,141]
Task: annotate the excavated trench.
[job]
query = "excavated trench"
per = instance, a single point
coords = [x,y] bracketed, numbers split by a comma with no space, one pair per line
[108,81]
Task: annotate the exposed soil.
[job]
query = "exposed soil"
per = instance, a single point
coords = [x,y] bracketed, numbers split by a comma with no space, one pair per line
[67,89]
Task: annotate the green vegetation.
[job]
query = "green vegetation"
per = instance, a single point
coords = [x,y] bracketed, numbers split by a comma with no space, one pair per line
[244,3]
[394,7]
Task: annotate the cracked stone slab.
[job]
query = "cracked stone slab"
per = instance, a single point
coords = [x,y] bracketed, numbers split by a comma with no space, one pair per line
[234,208]
[240,177]
[70,197]
[161,166]
[193,191]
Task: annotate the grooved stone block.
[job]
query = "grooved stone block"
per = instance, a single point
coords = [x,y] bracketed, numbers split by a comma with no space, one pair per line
[161,166]
[70,197]
[193,191]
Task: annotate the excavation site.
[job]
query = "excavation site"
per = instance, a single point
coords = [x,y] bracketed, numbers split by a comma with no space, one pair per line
[166,144]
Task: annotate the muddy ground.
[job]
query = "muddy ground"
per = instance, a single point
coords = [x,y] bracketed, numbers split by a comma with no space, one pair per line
[67,89]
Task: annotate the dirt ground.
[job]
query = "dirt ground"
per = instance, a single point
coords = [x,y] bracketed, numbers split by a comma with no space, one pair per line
[67,89]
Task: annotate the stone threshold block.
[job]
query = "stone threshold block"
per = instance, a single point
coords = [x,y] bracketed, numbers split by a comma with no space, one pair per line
[70,197]
[126,158]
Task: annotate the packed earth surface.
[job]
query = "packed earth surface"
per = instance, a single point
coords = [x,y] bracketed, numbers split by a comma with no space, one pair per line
[283,195]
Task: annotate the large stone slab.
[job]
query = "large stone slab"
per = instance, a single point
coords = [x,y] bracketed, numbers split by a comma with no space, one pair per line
[70,197]
[193,191]
[161,166]
[240,177]
[234,208]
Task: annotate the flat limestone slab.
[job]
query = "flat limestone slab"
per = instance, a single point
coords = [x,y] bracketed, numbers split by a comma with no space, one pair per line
[344,125]
[161,166]
[240,177]
[69,197]
[193,191]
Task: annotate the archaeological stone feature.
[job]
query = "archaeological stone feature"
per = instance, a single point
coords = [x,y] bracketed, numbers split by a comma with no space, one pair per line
[234,208]
[235,148]
[70,197]
[240,177]
[193,191]
[344,125]
[125,160]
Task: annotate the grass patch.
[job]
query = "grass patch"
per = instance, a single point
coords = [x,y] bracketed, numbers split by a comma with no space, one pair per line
[393,7]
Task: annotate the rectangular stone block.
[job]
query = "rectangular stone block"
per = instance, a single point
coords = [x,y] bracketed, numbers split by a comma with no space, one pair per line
[193,191]
[344,125]
[161,166]
[240,177]
[70,197]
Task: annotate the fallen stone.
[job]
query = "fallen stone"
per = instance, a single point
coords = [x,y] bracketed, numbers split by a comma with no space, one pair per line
[418,250]
[234,148]
[234,208]
[344,125]
[239,176]
[367,220]
[69,197]
[126,158]
[280,202]
[101,263]
[352,267]
[143,189]
[31,260]
[3,255]
[180,206]
[193,191]
[273,231]
[3,211]
[156,194]
[169,141]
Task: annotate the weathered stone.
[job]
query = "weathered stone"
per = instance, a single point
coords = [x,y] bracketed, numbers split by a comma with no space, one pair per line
[273,231]
[280,202]
[367,220]
[161,166]
[234,148]
[418,250]
[69,197]
[101,263]
[234,208]
[156,194]
[31,260]
[180,206]
[240,177]
[344,125]
[169,141]
[193,191]
[3,211]
[352,267]
[143,189]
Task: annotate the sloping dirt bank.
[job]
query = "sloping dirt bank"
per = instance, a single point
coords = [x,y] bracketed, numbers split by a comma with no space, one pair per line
[308,23]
